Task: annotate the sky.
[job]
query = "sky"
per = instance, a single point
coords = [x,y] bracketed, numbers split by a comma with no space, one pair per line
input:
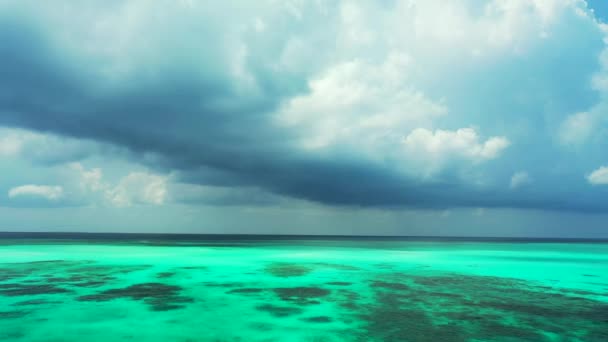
[459,118]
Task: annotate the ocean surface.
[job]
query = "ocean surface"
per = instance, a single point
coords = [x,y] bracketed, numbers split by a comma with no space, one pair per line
[187,288]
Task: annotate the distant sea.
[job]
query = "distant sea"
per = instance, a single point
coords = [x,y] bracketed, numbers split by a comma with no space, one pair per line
[162,287]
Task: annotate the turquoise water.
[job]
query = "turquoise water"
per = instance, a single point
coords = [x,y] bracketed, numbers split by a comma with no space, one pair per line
[302,291]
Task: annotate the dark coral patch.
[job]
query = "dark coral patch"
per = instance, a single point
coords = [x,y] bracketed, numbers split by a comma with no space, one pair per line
[160,297]
[349,306]
[287,270]
[13,314]
[279,311]
[347,299]
[11,335]
[8,274]
[227,285]
[81,280]
[390,285]
[14,271]
[137,291]
[200,268]
[246,290]
[44,262]
[318,319]
[340,267]
[109,269]
[482,308]
[35,302]
[161,305]
[339,283]
[261,326]
[301,295]
[13,290]
[164,275]
[384,266]
[580,292]
[490,329]
[90,284]
[53,279]
[390,320]
[43,275]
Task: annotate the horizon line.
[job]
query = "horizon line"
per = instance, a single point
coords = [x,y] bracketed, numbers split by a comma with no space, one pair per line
[76,235]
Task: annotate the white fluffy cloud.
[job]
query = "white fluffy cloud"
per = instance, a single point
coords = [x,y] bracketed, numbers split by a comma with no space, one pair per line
[599,176]
[371,108]
[10,145]
[519,179]
[381,81]
[49,192]
[138,187]
[434,149]
[89,180]
[579,128]
[361,104]
[576,128]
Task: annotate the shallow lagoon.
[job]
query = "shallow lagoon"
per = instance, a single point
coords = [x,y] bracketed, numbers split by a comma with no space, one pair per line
[302,290]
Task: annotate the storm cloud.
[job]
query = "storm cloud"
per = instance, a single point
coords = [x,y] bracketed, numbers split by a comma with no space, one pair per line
[363,104]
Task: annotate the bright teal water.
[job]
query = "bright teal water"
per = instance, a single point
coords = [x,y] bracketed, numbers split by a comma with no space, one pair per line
[303,291]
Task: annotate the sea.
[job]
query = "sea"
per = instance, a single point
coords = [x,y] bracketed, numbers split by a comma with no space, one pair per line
[150,287]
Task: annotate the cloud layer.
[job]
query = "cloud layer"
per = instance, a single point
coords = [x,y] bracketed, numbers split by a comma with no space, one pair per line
[402,104]
[45,191]
[599,176]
